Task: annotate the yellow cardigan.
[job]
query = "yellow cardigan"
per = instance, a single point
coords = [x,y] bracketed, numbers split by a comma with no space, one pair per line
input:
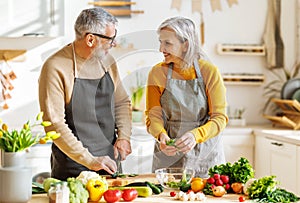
[215,91]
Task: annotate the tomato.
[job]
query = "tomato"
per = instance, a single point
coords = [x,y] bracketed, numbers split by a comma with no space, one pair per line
[112,196]
[241,199]
[129,194]
[172,193]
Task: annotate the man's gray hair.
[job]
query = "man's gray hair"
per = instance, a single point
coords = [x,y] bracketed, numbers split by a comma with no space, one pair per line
[185,31]
[93,20]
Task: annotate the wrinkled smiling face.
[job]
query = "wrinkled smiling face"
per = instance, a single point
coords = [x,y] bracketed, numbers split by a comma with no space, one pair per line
[172,48]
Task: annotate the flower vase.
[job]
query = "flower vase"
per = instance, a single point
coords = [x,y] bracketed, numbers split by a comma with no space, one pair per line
[13,159]
[15,178]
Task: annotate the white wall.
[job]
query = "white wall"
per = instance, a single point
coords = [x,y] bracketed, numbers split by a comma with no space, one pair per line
[241,24]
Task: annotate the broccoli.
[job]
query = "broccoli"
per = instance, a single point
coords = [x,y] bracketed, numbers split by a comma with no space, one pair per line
[78,192]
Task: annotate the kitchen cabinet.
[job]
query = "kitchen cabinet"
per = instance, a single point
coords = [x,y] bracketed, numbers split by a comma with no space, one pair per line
[38,158]
[283,163]
[142,145]
[32,17]
[238,142]
[262,154]
[39,18]
[279,158]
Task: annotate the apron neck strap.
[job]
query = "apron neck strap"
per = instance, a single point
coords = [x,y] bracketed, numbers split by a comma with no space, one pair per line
[75,63]
[170,69]
[74,60]
[197,68]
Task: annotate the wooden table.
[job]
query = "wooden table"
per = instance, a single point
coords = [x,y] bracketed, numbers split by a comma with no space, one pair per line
[161,198]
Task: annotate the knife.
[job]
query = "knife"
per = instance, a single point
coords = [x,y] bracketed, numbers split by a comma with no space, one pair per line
[119,167]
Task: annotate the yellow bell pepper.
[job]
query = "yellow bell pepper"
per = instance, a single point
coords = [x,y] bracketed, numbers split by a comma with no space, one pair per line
[96,188]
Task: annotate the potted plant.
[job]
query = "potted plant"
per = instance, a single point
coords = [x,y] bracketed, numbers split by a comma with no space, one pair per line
[237,118]
[14,141]
[20,140]
[137,93]
[13,145]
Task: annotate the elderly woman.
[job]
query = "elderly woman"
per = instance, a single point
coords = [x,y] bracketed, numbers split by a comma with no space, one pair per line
[185,102]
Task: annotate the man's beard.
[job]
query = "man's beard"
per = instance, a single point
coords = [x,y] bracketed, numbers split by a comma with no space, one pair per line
[99,53]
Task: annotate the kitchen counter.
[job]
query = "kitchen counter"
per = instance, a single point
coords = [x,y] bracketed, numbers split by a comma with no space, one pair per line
[277,133]
[284,135]
[162,198]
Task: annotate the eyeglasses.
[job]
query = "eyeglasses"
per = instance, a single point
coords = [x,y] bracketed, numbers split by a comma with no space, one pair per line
[104,36]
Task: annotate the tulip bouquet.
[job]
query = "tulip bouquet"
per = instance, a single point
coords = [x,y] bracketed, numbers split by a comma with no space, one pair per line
[19,140]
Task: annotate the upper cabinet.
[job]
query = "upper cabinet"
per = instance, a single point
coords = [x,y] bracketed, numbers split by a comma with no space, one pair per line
[32,17]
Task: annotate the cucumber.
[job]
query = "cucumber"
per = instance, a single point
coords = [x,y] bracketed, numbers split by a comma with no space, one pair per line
[160,187]
[156,190]
[144,184]
[143,191]
[185,187]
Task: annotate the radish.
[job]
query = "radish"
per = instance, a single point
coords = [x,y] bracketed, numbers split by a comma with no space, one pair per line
[224,178]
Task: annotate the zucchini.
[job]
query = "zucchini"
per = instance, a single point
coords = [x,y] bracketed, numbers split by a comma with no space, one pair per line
[142,191]
[160,187]
[156,190]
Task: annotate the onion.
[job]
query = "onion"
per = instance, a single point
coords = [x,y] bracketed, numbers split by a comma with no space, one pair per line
[219,191]
[237,187]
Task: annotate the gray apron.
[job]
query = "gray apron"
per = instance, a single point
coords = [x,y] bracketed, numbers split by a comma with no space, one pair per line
[184,104]
[90,117]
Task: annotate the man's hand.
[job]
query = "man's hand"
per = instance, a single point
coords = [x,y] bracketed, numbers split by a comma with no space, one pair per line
[105,163]
[168,150]
[123,148]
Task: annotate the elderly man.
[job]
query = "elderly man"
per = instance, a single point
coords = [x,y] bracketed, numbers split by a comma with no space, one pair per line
[80,92]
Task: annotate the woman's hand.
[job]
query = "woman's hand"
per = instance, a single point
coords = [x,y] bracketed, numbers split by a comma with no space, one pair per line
[186,142]
[168,150]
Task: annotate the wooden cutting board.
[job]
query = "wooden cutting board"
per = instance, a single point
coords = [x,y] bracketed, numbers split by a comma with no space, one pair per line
[124,12]
[112,3]
[127,180]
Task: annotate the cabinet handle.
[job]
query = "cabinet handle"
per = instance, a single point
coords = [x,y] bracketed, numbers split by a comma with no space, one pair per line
[277,144]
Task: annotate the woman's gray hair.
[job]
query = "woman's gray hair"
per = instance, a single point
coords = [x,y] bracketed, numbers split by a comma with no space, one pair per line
[93,20]
[185,31]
